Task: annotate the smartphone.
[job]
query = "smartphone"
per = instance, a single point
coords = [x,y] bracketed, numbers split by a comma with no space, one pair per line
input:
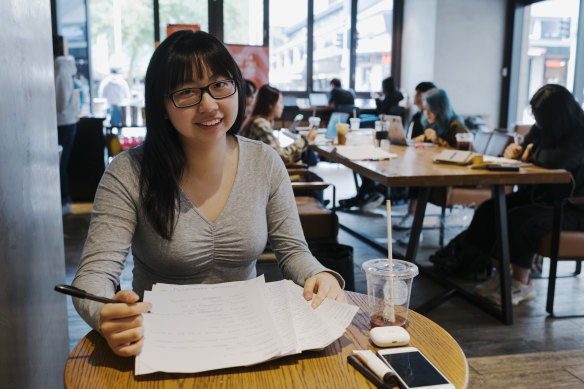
[413,369]
[503,168]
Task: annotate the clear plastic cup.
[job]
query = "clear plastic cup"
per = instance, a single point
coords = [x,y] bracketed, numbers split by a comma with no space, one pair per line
[355,123]
[314,121]
[388,292]
[464,141]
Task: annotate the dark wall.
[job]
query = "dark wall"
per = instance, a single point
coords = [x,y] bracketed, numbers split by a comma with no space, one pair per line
[33,318]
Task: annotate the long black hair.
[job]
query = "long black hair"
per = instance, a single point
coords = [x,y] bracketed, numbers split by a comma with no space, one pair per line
[266,98]
[180,58]
[558,114]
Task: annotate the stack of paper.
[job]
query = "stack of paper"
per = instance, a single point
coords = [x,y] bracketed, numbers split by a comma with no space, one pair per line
[194,328]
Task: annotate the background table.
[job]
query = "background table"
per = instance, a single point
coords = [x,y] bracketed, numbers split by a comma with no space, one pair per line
[414,167]
[93,365]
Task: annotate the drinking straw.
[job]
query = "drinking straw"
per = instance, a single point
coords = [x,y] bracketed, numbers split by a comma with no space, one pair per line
[390,262]
[354,112]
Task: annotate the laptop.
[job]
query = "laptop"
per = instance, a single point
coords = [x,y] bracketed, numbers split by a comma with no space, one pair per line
[318,99]
[397,134]
[331,128]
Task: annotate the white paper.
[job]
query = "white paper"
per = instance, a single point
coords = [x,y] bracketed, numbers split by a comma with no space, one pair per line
[364,153]
[194,328]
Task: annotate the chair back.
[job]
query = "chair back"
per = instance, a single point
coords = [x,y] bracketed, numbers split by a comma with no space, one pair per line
[348,108]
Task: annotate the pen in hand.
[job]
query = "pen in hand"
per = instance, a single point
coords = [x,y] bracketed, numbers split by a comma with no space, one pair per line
[80,293]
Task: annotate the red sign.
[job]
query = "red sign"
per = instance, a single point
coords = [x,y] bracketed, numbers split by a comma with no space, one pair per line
[253,61]
[170,28]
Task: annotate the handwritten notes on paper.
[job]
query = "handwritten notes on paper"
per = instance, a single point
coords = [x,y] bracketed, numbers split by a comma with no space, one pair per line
[194,328]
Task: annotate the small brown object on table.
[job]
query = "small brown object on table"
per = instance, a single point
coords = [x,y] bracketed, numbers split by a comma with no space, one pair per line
[92,364]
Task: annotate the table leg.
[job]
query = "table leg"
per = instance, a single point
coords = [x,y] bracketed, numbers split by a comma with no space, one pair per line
[414,241]
[503,238]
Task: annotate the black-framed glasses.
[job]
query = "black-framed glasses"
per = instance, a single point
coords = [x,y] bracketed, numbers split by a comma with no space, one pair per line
[192,96]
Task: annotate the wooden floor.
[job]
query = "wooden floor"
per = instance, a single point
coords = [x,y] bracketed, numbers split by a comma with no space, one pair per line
[535,352]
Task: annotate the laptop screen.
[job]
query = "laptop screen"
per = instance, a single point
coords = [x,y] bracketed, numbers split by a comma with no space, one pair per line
[331,128]
[318,99]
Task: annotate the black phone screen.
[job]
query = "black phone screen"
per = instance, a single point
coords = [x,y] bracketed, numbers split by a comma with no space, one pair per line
[414,369]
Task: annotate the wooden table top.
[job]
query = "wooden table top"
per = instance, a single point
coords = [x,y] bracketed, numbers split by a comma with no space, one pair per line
[414,167]
[92,365]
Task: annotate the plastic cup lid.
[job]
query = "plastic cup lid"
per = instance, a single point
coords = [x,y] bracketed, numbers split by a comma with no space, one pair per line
[380,267]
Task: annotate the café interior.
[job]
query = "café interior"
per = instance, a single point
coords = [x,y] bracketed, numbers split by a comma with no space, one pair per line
[490,56]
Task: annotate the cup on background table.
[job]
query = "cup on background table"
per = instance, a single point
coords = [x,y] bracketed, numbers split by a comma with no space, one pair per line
[518,139]
[464,141]
[314,121]
[388,292]
[355,123]
[342,129]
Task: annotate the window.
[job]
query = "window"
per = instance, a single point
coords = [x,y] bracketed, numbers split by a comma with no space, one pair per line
[121,39]
[374,32]
[331,40]
[243,22]
[548,57]
[183,12]
[288,32]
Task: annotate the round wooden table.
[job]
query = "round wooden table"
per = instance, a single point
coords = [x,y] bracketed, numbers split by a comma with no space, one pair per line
[93,365]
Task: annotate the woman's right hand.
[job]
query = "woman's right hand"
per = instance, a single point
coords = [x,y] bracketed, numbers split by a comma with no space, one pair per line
[513,151]
[121,324]
[312,134]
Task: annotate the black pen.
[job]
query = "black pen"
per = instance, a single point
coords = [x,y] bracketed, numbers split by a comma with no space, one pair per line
[79,293]
[357,364]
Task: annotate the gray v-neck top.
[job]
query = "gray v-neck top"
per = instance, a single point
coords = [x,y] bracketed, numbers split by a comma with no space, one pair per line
[261,207]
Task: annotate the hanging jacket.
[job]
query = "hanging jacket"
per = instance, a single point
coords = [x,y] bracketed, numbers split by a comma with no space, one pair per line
[67,98]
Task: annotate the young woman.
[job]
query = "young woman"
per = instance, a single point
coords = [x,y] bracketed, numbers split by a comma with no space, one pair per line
[441,125]
[441,122]
[258,126]
[195,203]
[556,141]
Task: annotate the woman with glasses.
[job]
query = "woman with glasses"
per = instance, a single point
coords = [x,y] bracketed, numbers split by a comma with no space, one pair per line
[194,202]
[258,126]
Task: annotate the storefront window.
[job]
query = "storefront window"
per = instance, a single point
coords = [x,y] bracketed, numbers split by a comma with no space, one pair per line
[183,12]
[243,22]
[332,41]
[374,32]
[551,34]
[288,49]
[122,42]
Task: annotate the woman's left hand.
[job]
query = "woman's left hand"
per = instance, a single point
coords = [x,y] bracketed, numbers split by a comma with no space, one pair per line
[324,285]
[431,135]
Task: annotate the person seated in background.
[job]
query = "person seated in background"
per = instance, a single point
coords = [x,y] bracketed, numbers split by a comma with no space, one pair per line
[258,125]
[417,128]
[389,105]
[441,125]
[194,202]
[440,121]
[250,92]
[555,141]
[339,96]
[371,194]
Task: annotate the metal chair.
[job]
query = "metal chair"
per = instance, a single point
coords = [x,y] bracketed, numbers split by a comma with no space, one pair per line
[561,245]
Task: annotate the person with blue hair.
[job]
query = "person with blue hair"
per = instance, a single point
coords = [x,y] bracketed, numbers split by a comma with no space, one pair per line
[441,125]
[441,122]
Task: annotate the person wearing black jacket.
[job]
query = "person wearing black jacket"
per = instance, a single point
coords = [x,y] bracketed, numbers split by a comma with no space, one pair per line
[555,141]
